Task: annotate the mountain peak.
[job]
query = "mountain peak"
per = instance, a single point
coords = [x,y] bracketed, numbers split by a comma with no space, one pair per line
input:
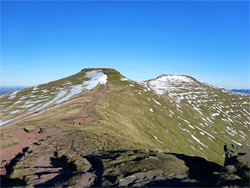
[168,82]
[175,78]
[100,69]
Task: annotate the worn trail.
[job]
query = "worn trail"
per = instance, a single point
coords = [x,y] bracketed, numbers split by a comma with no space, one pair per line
[25,139]
[89,114]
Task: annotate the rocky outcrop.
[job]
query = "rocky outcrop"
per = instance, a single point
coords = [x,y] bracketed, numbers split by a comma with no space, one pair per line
[237,155]
[133,168]
[153,169]
[236,170]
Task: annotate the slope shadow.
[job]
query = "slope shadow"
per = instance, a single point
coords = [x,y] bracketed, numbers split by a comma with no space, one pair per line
[64,174]
[5,180]
[97,169]
[200,170]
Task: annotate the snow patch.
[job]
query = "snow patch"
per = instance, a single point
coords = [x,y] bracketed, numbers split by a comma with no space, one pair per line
[156,101]
[4,122]
[166,82]
[197,140]
[15,111]
[215,114]
[124,79]
[13,95]
[158,139]
[96,77]
[237,142]
[191,126]
[26,105]
[61,94]
[75,90]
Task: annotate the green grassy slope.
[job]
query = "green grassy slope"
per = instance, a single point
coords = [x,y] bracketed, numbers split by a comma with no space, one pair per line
[200,124]
[191,118]
[37,98]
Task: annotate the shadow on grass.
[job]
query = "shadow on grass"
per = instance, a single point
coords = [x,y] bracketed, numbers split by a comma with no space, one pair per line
[200,171]
[65,172]
[5,180]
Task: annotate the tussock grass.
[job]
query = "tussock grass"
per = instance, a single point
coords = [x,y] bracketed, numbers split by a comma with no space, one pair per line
[7,140]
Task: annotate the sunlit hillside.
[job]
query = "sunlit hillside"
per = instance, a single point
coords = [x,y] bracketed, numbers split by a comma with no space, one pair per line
[99,111]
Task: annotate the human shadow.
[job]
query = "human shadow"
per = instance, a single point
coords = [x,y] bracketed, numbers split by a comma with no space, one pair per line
[65,172]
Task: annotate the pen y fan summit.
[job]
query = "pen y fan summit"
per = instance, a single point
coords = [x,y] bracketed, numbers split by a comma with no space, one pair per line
[171,113]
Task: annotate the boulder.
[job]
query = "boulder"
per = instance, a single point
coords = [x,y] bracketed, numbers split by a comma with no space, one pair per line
[237,155]
[236,167]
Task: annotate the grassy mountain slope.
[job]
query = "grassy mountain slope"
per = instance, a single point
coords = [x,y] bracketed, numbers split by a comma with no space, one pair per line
[175,114]
[33,99]
[195,119]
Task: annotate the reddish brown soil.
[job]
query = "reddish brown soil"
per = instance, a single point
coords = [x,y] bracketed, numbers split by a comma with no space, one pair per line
[25,140]
[89,114]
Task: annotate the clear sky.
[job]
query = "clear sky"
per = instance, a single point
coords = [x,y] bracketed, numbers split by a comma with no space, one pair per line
[46,40]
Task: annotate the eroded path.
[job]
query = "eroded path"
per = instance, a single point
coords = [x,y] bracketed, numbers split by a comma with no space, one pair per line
[89,114]
[26,139]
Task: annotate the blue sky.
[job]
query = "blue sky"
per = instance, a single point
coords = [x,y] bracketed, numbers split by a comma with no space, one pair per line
[47,40]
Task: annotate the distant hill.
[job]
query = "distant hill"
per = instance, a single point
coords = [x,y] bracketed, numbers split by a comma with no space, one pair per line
[5,90]
[246,91]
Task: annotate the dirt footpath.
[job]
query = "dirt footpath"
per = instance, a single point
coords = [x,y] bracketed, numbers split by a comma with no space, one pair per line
[89,114]
[25,139]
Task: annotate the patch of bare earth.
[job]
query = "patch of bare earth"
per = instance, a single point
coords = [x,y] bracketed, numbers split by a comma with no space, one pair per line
[48,168]
[25,140]
[88,114]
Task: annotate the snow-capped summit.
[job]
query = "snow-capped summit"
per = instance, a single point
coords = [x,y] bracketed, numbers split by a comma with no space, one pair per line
[166,83]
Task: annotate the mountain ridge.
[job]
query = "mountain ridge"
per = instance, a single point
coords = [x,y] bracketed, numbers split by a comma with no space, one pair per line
[162,75]
[82,118]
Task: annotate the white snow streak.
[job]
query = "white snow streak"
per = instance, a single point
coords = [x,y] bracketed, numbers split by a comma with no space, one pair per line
[15,111]
[198,141]
[237,143]
[13,95]
[158,139]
